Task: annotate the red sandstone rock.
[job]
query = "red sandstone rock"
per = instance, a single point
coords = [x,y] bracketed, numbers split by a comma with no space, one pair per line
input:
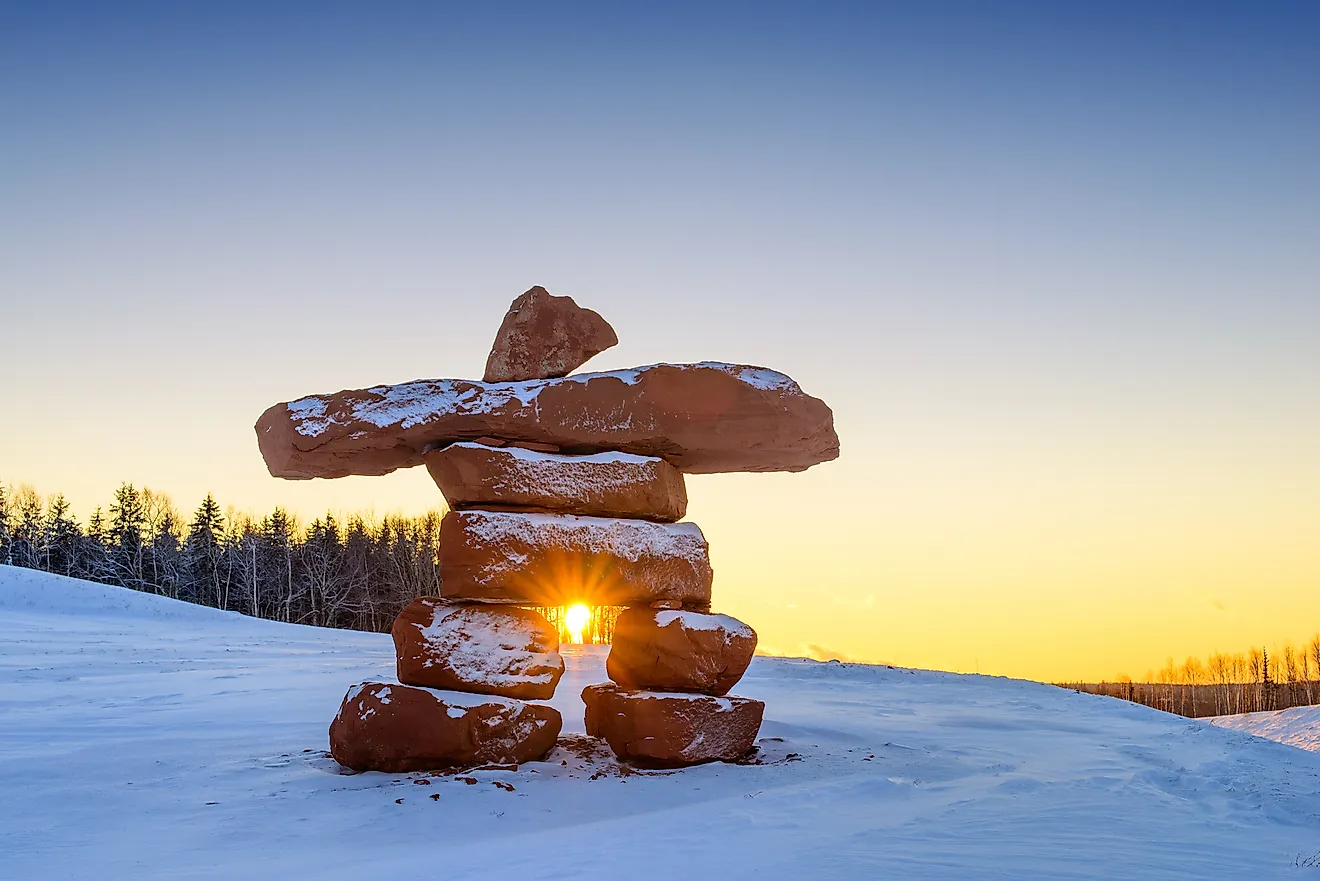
[701,418]
[544,336]
[397,728]
[556,559]
[497,650]
[679,651]
[602,485]
[672,730]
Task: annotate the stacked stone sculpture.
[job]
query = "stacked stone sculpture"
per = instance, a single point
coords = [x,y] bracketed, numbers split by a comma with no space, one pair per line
[561,489]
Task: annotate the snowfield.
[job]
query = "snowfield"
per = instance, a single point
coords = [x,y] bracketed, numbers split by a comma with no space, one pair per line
[1298,726]
[142,738]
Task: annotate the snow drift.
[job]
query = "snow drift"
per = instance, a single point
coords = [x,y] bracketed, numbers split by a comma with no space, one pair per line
[1297,726]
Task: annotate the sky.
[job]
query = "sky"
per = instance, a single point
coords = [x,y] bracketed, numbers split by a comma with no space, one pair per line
[1055,267]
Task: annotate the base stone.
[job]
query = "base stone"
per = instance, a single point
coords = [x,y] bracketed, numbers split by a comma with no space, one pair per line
[672,730]
[398,728]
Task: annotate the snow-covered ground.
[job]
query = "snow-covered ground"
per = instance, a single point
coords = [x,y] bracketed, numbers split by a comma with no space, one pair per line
[1299,726]
[142,738]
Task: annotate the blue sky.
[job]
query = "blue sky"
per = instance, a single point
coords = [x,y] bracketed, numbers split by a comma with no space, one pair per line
[1055,266]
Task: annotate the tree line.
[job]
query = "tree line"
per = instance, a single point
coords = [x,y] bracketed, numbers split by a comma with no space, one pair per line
[354,572]
[1224,684]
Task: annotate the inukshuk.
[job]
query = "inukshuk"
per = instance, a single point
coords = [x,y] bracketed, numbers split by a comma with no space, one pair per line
[561,489]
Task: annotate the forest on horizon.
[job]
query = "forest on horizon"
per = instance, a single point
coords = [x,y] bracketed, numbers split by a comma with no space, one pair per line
[1224,684]
[350,571]
[358,571]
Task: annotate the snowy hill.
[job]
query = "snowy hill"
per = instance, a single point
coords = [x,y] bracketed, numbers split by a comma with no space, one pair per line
[141,738]
[1298,726]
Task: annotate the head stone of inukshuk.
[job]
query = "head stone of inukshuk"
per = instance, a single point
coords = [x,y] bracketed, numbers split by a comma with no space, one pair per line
[561,489]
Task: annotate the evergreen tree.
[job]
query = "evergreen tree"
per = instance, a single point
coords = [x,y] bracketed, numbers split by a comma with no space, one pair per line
[125,546]
[202,553]
[97,530]
[278,535]
[64,538]
[94,561]
[6,537]
[356,575]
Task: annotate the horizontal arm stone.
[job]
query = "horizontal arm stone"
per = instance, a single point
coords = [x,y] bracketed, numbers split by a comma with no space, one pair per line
[702,418]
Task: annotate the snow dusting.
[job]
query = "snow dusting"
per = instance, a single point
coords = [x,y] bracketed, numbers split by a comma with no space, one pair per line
[490,646]
[631,540]
[704,621]
[411,404]
[556,477]
[724,704]
[627,376]
[758,377]
[533,457]
[465,701]
[309,415]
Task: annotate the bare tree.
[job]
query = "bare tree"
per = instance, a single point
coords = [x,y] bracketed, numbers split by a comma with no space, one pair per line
[1289,673]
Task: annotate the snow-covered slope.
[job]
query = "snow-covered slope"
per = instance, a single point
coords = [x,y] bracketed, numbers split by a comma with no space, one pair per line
[1299,726]
[144,739]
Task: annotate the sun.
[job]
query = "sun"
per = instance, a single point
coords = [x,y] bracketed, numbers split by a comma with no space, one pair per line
[576,618]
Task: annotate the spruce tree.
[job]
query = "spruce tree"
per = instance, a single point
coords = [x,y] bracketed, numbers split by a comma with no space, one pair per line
[6,537]
[279,533]
[63,537]
[202,554]
[127,517]
[94,560]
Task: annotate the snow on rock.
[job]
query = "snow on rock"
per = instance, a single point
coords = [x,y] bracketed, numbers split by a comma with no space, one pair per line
[603,484]
[702,418]
[759,377]
[629,539]
[1298,726]
[672,730]
[550,559]
[727,625]
[679,650]
[142,739]
[537,460]
[485,649]
[397,728]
